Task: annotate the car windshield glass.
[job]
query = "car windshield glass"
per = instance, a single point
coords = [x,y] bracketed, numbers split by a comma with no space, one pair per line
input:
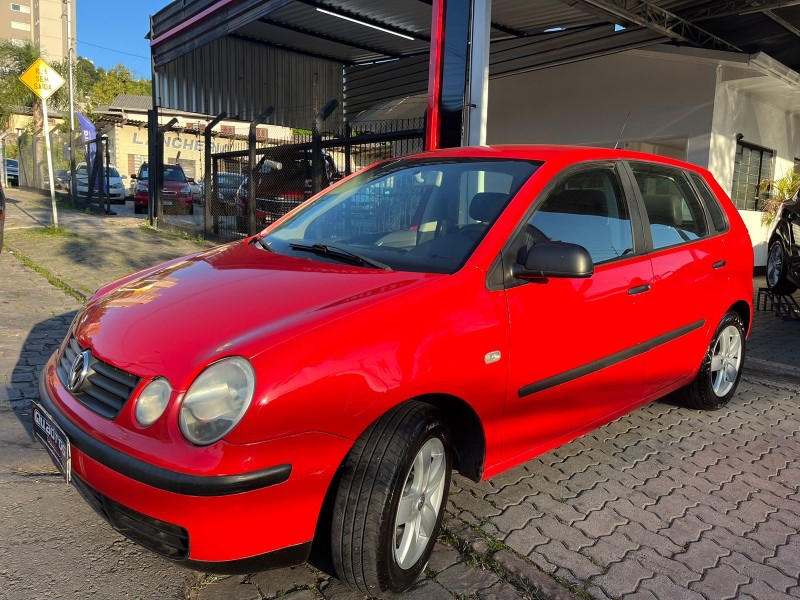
[411,215]
[12,163]
[112,172]
[174,174]
[143,173]
[230,180]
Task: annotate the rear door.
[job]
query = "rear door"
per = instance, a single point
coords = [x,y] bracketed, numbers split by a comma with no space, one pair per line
[689,265]
[574,343]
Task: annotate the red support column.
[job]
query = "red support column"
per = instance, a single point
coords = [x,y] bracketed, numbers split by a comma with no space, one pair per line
[433,124]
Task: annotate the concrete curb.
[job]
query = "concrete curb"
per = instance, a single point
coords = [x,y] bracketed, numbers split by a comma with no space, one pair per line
[772,371]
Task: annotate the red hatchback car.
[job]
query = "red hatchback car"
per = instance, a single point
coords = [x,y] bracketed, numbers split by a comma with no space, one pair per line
[464,309]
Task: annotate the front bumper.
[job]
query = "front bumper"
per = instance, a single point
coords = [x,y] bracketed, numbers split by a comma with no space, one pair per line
[226,522]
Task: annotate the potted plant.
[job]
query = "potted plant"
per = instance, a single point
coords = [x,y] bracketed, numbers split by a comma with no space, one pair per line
[778,192]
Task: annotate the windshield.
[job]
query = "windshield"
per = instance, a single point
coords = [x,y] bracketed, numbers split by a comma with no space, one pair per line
[411,215]
[12,163]
[173,174]
[230,180]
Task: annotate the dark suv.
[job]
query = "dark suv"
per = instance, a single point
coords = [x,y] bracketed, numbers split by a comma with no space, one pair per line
[176,190]
[783,258]
[279,190]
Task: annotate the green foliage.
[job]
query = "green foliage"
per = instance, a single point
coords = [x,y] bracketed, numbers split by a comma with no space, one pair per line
[779,191]
[14,61]
[117,80]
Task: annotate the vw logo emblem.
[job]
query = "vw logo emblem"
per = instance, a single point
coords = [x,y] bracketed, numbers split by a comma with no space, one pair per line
[78,371]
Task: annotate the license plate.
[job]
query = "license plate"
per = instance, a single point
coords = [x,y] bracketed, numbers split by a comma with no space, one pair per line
[167,202]
[53,438]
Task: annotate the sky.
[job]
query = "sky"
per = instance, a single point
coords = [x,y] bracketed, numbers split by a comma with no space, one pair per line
[111,32]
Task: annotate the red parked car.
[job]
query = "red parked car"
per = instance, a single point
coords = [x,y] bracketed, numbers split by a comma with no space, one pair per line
[177,193]
[464,309]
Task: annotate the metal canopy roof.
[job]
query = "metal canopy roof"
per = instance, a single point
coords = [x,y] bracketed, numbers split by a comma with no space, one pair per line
[391,29]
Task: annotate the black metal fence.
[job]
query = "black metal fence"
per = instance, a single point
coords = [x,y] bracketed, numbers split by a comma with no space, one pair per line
[245,198]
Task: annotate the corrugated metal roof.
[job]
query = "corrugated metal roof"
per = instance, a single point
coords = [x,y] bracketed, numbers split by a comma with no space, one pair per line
[132,102]
[242,56]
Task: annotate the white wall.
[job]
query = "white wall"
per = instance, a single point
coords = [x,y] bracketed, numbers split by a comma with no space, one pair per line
[762,124]
[587,103]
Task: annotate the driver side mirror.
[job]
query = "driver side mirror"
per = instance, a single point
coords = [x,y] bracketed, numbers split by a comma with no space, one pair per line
[555,259]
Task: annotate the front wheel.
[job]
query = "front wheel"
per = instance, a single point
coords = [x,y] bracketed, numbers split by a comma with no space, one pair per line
[777,271]
[721,370]
[391,499]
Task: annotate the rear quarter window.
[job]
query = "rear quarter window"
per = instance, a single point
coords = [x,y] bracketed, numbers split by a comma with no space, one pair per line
[718,220]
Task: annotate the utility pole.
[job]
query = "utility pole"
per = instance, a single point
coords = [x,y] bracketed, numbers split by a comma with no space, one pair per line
[70,60]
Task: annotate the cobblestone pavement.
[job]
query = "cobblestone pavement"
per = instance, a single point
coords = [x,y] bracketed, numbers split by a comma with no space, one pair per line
[665,503]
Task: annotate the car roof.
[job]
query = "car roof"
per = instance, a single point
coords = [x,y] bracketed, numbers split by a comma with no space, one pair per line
[543,153]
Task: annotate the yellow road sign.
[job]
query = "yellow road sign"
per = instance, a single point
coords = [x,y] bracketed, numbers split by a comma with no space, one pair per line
[42,79]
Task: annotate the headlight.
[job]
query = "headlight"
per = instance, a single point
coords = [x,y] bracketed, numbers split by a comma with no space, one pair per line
[152,402]
[186,190]
[141,188]
[217,401]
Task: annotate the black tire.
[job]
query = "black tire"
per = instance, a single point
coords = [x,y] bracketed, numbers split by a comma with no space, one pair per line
[373,479]
[777,270]
[137,210]
[702,393]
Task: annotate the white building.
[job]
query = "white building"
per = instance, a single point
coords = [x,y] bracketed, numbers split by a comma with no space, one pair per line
[735,114]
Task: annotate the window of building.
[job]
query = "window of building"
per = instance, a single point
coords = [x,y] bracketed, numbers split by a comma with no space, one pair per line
[21,26]
[228,129]
[21,8]
[751,166]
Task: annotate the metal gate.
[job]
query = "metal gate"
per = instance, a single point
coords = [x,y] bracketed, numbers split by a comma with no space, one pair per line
[242,199]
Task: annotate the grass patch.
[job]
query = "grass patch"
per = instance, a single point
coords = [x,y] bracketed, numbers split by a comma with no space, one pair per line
[51,231]
[53,279]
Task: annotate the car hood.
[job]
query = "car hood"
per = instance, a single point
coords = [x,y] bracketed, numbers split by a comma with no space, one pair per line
[233,300]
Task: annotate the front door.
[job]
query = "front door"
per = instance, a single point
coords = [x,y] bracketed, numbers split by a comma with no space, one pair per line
[574,343]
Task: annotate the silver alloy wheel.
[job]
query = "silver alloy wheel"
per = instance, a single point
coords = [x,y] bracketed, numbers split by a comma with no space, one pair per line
[726,358]
[774,264]
[420,502]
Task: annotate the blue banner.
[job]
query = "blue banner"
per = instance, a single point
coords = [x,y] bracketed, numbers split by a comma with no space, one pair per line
[88,135]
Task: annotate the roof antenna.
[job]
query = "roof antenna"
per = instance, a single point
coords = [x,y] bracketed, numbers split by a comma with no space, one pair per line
[616,146]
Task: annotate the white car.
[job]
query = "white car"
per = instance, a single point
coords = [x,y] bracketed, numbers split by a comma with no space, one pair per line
[116,189]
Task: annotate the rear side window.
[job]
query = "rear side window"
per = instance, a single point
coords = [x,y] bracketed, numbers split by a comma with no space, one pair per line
[674,212]
[589,209]
[718,219]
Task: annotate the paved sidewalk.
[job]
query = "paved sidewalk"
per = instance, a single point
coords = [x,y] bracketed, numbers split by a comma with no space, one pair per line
[665,503]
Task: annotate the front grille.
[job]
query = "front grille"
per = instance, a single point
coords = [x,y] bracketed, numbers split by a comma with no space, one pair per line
[159,536]
[105,390]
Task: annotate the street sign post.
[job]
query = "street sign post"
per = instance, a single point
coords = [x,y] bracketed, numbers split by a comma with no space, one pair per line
[44,81]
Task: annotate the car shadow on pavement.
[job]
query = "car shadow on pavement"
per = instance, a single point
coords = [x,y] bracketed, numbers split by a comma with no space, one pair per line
[23,383]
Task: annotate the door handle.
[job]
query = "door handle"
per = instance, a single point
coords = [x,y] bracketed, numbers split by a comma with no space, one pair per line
[639,289]
[720,263]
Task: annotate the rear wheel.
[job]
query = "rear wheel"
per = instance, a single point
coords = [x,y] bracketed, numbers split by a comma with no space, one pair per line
[391,499]
[777,270]
[721,370]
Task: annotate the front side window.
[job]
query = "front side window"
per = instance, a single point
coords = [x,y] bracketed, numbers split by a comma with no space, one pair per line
[588,208]
[415,215]
[673,211]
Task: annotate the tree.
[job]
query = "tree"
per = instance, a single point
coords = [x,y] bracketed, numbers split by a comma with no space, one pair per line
[15,97]
[117,80]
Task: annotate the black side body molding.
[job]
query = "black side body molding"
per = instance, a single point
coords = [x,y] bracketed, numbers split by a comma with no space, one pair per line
[608,361]
[158,477]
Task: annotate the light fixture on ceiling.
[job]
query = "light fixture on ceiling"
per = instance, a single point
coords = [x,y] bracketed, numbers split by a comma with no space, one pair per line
[352,20]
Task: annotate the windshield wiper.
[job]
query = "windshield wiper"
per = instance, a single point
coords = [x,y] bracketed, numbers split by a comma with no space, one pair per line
[341,254]
[260,241]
